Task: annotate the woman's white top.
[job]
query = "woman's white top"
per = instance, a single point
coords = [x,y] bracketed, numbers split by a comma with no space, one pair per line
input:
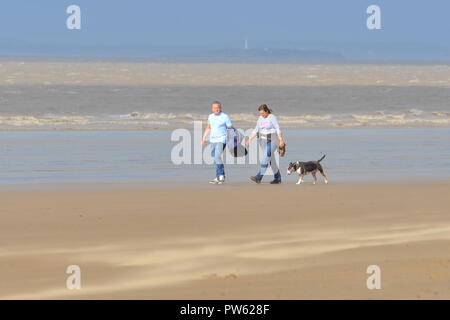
[265,126]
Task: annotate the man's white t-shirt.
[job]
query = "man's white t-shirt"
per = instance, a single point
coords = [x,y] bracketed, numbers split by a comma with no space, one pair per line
[219,124]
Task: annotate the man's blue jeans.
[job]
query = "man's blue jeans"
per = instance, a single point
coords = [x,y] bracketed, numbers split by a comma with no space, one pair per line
[216,152]
[268,149]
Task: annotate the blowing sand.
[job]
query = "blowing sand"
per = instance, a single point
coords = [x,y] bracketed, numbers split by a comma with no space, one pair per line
[228,242]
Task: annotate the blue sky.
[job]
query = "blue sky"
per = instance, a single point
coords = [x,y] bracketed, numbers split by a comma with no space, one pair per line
[417,28]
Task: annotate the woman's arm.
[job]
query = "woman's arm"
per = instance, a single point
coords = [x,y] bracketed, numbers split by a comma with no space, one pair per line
[253,135]
[276,125]
[280,140]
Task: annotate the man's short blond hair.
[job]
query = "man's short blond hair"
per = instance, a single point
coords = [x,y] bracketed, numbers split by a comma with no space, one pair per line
[216,102]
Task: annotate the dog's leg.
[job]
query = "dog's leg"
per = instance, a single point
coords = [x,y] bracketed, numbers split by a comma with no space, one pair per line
[324,177]
[300,179]
[314,177]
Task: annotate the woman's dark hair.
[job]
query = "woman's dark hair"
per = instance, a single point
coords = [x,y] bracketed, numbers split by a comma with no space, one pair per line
[265,108]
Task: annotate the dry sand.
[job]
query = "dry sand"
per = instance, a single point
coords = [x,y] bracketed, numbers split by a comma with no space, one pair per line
[228,242]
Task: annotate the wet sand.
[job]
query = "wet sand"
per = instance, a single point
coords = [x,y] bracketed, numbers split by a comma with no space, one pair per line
[238,241]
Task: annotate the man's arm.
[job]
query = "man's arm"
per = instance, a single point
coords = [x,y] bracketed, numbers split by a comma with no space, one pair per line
[207,130]
[228,123]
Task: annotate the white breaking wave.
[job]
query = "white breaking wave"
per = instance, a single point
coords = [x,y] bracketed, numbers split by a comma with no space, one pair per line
[137,120]
[24,121]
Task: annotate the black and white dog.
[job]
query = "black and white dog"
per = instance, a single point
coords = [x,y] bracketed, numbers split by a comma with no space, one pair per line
[304,168]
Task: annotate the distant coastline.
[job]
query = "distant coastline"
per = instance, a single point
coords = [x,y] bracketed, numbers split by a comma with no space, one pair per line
[169,60]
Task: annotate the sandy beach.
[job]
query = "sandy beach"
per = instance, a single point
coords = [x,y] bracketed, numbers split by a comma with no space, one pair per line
[88,178]
[122,179]
[236,241]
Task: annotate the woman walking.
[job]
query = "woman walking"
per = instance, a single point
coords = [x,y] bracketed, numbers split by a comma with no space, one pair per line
[267,128]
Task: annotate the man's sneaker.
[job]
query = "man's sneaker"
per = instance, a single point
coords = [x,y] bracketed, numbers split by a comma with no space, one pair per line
[214,181]
[219,180]
[255,179]
[276,181]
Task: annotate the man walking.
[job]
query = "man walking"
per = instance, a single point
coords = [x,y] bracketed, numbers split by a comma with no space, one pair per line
[218,123]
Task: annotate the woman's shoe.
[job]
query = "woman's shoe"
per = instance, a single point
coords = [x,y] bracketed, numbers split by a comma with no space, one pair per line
[276,181]
[255,179]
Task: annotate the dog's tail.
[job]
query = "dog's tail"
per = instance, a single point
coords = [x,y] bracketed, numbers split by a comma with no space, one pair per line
[322,158]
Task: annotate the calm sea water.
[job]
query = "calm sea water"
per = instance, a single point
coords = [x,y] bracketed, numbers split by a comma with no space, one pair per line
[35,158]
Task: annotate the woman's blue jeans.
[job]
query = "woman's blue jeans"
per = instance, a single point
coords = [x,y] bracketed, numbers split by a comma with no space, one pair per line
[268,158]
[216,152]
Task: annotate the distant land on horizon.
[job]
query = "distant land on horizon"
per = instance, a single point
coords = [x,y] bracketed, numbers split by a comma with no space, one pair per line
[346,52]
[175,54]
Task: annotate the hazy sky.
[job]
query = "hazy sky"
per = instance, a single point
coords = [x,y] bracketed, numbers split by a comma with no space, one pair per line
[330,24]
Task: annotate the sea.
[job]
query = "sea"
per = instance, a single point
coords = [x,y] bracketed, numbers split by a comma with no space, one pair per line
[112,122]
